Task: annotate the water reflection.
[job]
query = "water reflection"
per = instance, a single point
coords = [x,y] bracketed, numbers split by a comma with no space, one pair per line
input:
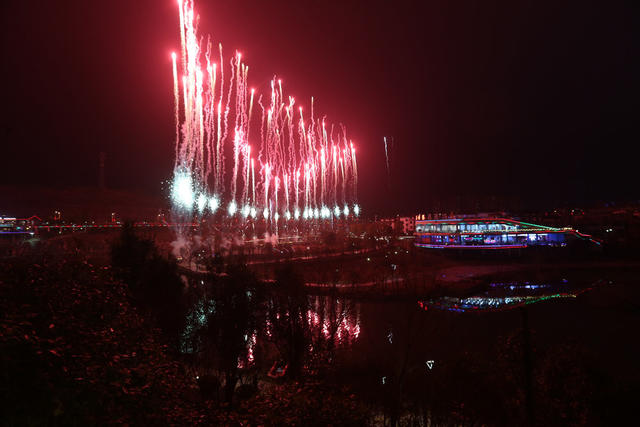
[507,295]
[316,324]
[334,319]
[329,321]
[408,362]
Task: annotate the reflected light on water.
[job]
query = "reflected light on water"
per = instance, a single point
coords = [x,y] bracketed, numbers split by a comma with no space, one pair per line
[506,296]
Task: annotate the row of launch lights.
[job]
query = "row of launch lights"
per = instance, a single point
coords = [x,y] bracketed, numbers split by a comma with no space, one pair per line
[185,199]
[250,211]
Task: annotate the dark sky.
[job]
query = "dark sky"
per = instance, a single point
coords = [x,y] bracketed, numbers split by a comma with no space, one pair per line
[527,99]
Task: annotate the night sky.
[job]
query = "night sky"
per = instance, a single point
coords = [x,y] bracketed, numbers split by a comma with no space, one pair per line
[515,99]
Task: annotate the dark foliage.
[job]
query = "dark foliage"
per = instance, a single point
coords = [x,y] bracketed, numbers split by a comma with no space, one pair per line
[229,324]
[154,281]
[288,317]
[75,352]
[77,348]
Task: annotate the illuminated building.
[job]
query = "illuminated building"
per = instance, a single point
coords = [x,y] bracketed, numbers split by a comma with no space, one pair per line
[408,224]
[12,225]
[489,233]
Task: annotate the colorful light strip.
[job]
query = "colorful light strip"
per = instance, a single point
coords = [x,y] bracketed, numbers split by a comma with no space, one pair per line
[426,245]
[495,304]
[536,230]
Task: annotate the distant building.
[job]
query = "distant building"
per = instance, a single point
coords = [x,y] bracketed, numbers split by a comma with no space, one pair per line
[12,225]
[489,233]
[400,224]
[408,224]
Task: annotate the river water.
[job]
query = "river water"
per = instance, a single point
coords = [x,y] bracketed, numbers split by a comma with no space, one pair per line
[556,351]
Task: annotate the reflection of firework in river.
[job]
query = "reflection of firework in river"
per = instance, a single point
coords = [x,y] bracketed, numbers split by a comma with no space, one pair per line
[303,168]
[336,320]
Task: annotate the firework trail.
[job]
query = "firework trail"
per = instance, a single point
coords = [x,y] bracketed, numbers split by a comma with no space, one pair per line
[386,156]
[302,169]
[176,94]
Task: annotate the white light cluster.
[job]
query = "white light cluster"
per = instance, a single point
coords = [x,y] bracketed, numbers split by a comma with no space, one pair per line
[202,201]
[232,208]
[185,196]
[182,191]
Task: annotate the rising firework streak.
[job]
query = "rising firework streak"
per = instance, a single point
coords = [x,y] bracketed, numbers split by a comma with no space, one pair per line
[386,156]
